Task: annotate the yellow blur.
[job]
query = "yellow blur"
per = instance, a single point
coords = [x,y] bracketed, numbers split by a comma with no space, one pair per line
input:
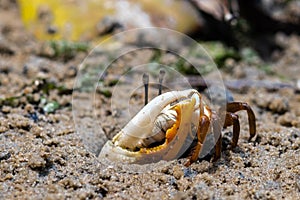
[76,20]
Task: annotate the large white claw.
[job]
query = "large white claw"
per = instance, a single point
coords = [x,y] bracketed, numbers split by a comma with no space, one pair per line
[121,148]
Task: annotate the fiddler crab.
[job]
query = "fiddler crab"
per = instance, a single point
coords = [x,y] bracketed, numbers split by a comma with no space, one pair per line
[166,127]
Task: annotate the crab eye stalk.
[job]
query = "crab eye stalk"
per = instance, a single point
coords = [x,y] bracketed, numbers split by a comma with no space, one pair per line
[160,80]
[146,85]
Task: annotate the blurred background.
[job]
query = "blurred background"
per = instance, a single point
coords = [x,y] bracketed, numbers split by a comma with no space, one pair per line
[40,38]
[236,23]
[224,20]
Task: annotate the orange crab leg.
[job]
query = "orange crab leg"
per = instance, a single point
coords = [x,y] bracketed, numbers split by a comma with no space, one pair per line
[201,135]
[218,137]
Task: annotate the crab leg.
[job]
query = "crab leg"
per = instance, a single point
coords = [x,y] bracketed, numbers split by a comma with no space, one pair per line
[232,119]
[237,106]
[218,136]
[201,135]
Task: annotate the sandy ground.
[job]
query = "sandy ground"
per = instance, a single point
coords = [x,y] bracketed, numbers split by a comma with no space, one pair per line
[43,155]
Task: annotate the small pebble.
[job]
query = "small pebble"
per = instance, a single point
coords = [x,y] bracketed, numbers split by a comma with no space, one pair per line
[279,105]
[36,161]
[289,119]
[177,172]
[6,109]
[29,108]
[3,129]
[71,72]
[28,90]
[274,103]
[4,155]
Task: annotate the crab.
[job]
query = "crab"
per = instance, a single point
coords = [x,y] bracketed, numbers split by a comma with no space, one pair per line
[166,127]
